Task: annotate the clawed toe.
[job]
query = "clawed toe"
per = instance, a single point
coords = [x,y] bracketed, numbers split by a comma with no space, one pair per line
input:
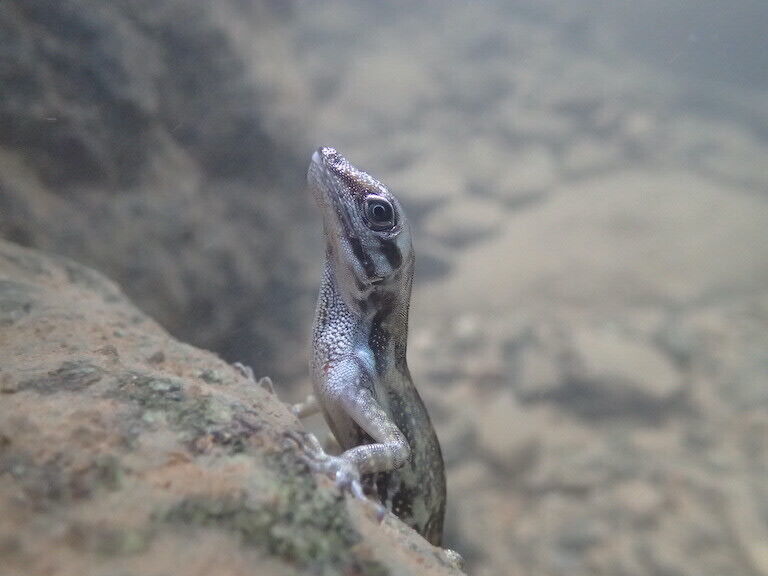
[347,478]
[294,438]
[343,473]
[308,446]
[266,383]
[245,371]
[454,558]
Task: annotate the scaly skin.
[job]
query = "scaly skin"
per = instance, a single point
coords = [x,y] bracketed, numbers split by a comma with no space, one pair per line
[358,365]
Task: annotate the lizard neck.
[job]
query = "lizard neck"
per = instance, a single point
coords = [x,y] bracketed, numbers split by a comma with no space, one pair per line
[376,315]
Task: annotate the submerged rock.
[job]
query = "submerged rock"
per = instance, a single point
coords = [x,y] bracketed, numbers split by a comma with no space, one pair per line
[596,371]
[123,450]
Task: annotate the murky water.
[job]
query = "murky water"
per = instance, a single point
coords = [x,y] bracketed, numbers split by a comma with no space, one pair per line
[588,184]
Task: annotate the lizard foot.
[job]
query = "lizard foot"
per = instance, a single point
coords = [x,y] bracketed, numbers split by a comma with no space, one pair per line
[454,558]
[344,473]
[247,372]
[347,478]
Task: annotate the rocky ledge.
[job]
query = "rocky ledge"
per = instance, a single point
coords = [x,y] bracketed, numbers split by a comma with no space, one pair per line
[124,451]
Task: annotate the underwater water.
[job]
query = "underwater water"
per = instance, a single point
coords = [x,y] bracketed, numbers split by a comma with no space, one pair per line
[589,326]
[588,189]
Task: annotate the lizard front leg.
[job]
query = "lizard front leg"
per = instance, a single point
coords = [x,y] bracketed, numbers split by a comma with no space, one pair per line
[390,449]
[348,388]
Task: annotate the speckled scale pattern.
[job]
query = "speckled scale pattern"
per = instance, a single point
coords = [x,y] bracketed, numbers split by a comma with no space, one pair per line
[332,330]
[358,363]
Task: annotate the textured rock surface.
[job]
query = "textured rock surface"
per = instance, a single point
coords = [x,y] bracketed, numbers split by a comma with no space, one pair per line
[156,141]
[125,451]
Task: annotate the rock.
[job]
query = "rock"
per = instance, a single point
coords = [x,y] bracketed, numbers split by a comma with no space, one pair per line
[612,365]
[729,341]
[535,365]
[469,475]
[573,459]
[467,332]
[113,460]
[594,370]
[611,242]
[641,500]
[157,142]
[512,179]
[507,434]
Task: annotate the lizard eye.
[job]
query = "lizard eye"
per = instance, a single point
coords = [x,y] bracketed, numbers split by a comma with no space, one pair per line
[379,213]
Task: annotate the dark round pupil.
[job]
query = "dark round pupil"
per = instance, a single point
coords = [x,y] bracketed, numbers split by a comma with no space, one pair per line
[380,212]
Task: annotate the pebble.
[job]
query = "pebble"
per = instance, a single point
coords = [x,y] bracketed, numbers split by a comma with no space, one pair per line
[639,498]
[610,363]
[507,434]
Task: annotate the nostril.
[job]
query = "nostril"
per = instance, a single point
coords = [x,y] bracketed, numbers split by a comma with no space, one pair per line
[329,154]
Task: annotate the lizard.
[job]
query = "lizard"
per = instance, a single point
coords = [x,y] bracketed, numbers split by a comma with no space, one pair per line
[358,365]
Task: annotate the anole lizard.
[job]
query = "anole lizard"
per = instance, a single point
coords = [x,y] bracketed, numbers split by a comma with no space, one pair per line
[358,362]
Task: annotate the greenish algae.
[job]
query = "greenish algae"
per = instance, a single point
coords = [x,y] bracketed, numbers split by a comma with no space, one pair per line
[300,523]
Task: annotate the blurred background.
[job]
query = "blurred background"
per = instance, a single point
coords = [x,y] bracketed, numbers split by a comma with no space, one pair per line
[588,183]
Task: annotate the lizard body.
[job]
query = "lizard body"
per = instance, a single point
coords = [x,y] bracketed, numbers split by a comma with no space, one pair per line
[358,363]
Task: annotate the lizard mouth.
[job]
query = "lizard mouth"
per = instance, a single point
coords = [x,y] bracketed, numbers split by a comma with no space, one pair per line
[354,182]
[329,177]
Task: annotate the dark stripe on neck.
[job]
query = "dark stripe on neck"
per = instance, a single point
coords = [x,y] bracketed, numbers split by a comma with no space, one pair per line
[391,252]
[379,334]
[362,256]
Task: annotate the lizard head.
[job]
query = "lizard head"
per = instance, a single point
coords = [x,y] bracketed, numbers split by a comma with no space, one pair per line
[367,235]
